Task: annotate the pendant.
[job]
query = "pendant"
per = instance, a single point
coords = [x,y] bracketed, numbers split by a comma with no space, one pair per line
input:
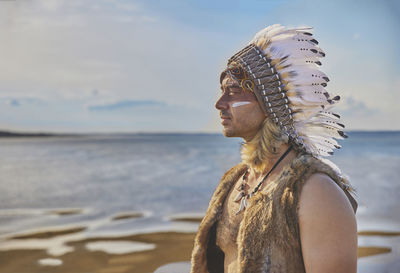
[238,197]
[243,193]
[243,204]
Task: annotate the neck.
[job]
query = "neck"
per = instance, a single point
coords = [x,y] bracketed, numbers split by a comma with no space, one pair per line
[257,155]
[266,165]
[264,148]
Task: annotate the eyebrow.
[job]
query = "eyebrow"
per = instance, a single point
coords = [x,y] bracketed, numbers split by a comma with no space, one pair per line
[230,85]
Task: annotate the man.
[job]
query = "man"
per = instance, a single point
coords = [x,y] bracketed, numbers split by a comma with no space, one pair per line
[284,208]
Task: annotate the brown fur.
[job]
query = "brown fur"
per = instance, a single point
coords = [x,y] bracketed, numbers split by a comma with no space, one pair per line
[269,238]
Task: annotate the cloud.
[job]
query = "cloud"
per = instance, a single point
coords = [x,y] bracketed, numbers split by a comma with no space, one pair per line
[21,101]
[127,6]
[125,104]
[126,49]
[358,114]
[353,107]
[151,65]
[13,102]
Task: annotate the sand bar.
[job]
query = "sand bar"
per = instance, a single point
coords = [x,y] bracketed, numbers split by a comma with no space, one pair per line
[379,233]
[47,234]
[128,215]
[170,247]
[65,212]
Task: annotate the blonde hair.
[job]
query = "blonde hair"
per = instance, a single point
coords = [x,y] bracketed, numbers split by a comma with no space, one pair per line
[264,145]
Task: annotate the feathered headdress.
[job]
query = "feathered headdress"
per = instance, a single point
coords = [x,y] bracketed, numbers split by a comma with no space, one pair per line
[281,66]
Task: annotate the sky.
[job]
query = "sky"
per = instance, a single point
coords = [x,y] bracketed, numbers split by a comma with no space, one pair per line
[153,66]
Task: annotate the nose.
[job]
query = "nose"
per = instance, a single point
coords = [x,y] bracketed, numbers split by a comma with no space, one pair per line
[221,103]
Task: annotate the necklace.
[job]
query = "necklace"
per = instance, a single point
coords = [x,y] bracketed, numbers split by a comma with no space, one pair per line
[243,194]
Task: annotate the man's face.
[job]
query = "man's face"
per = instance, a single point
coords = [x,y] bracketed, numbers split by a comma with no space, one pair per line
[240,112]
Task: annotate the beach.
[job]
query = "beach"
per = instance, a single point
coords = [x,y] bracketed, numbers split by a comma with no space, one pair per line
[133,203]
[163,248]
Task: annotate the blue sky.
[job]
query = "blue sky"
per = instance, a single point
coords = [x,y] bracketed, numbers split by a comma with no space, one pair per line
[134,66]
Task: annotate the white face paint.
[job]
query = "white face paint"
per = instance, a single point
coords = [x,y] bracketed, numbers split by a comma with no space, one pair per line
[240,103]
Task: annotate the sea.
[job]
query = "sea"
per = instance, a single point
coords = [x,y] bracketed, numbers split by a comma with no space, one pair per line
[163,176]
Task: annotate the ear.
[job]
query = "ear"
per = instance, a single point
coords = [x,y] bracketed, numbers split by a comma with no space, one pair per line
[222,76]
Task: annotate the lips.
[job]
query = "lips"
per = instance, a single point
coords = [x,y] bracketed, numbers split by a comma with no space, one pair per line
[225,119]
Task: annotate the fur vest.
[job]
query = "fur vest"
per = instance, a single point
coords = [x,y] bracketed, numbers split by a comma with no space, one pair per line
[268,238]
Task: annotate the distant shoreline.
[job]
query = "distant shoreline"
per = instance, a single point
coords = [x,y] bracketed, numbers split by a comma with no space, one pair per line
[15,134]
[6,134]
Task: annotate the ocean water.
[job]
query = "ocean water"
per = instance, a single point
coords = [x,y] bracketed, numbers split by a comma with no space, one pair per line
[164,175]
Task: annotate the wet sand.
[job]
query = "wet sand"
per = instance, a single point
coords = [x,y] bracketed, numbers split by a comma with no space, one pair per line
[64,212]
[193,219]
[170,247]
[49,233]
[124,216]
[370,251]
[378,233]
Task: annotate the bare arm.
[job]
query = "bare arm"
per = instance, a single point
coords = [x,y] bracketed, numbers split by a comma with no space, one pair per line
[328,228]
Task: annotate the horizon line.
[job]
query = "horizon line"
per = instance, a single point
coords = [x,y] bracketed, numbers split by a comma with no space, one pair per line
[11,133]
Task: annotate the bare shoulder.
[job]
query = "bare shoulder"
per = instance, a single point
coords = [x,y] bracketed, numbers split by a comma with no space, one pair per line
[321,194]
[328,229]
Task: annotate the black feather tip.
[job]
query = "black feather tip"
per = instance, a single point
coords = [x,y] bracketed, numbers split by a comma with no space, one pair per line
[342,134]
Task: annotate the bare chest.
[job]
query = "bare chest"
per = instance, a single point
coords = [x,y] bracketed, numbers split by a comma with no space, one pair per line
[229,223]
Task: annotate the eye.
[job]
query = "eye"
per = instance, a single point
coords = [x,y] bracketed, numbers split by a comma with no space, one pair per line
[234,90]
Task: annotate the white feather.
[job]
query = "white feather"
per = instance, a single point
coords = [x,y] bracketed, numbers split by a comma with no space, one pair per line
[328,142]
[313,89]
[312,145]
[311,94]
[305,72]
[308,80]
[328,116]
[320,131]
[306,112]
[300,103]
[327,124]
[291,50]
[309,61]
[282,48]
[303,37]
[267,32]
[302,114]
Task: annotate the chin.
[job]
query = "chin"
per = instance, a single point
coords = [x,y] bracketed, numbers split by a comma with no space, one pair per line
[228,133]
